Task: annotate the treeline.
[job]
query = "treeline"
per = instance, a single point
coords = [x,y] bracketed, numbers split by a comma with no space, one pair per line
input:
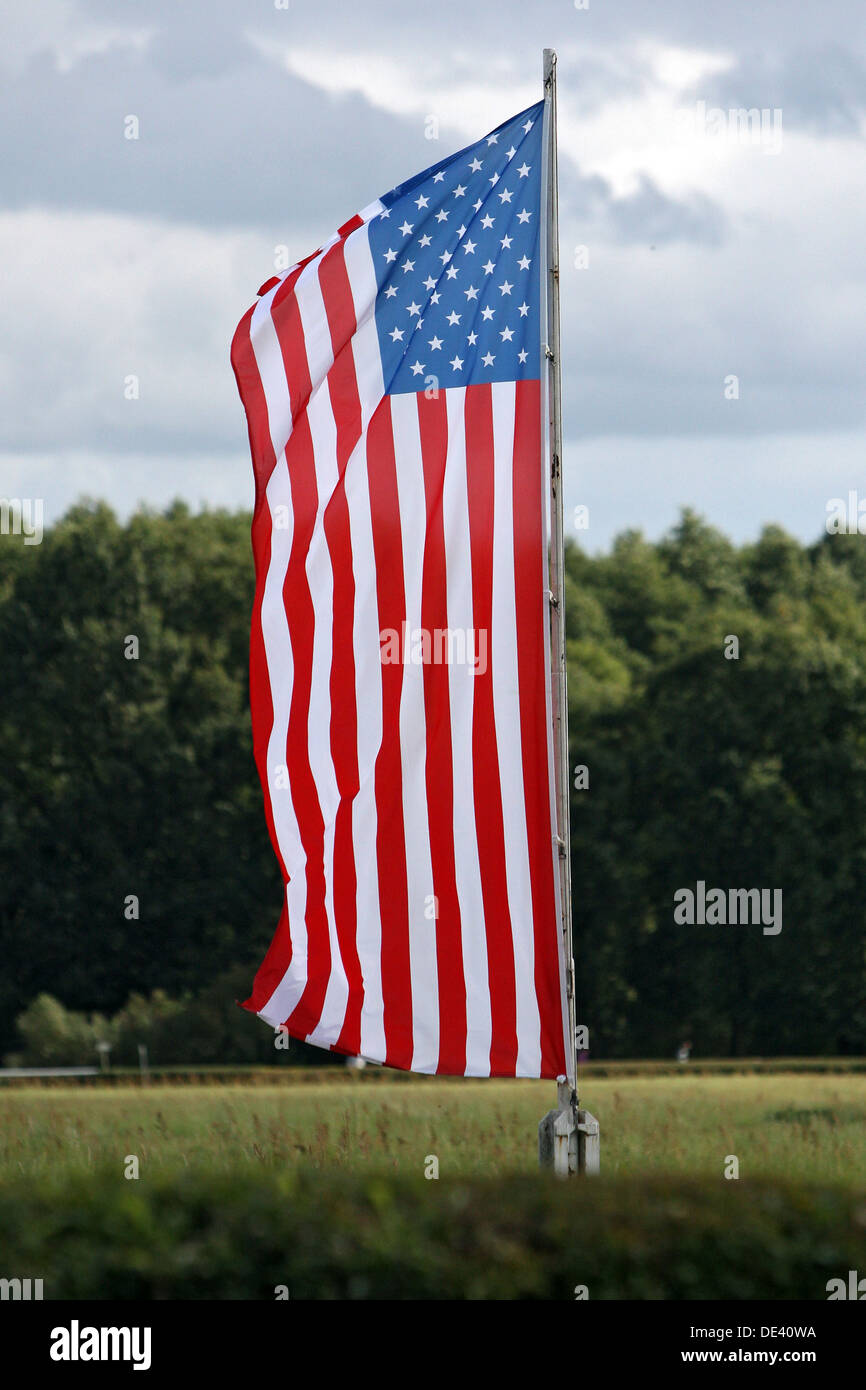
[133,845]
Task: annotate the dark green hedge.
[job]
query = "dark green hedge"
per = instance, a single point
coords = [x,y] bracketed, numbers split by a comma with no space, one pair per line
[341,1236]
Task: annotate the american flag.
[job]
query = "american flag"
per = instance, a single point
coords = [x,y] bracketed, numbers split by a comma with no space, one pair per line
[399,668]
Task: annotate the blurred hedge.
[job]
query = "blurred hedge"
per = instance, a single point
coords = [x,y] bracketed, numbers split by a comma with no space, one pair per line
[344,1237]
[207,1028]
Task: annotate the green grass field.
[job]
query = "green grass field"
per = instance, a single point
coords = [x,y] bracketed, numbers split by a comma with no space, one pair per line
[806,1128]
[318,1186]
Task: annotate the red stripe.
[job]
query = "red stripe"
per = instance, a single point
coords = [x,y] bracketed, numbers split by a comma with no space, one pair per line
[261,703]
[531,611]
[299,613]
[346,407]
[486,784]
[390,831]
[261,450]
[433,423]
[301,619]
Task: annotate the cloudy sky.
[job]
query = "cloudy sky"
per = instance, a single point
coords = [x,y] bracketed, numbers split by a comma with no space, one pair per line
[708,254]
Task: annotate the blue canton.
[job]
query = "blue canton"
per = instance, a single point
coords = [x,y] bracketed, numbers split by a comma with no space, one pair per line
[456,252]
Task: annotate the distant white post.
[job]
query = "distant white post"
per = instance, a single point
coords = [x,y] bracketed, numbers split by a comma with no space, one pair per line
[568,1138]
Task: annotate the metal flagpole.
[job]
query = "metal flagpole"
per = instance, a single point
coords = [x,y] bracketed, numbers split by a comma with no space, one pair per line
[567,1137]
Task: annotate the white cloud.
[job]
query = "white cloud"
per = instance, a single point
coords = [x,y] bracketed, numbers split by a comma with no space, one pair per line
[740,485]
[94,298]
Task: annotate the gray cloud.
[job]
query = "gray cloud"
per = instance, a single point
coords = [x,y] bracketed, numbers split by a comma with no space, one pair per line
[822,91]
[651,217]
[229,147]
[495,26]
[228,138]
[141,256]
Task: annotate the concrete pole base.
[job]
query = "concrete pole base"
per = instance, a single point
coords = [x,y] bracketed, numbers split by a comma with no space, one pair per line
[568,1138]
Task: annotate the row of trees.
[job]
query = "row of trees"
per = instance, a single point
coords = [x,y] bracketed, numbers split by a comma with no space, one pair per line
[134,850]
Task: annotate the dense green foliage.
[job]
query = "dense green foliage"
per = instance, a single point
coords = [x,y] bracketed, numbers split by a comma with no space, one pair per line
[122,777]
[742,773]
[346,1236]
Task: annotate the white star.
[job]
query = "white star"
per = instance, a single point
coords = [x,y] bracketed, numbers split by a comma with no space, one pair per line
[475,165]
[524,216]
[461,230]
[407,266]
[469,247]
[471,293]
[451,273]
[528,126]
[453,318]
[390,256]
[429,283]
[445,257]
[524,309]
[434,298]
[507,334]
[493,139]
[511,153]
[390,291]
[505,287]
[505,243]
[435,343]
[396,334]
[406,228]
[386,212]
[523,354]
[488,359]
[494,179]
[524,169]
[472,339]
[524,262]
[457,363]
[489,267]
[487,221]
[476,205]
[437,178]
[418,324]
[424,240]
[413,308]
[505,196]
[487,313]
[459,191]
[441,215]
[417,368]
[421,201]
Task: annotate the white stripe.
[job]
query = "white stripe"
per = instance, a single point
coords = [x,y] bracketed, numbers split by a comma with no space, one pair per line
[320,578]
[506,707]
[461,688]
[413,744]
[368,671]
[278,656]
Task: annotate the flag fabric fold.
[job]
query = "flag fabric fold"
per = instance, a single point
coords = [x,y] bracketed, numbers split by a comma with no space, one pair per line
[399,660]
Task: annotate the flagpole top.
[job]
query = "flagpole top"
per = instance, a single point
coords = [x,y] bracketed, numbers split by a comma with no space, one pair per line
[549,64]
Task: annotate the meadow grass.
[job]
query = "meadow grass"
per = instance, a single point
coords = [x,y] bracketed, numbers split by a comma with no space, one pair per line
[808,1128]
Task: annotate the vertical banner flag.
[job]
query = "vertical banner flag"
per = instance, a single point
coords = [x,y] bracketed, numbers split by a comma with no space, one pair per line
[399,664]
